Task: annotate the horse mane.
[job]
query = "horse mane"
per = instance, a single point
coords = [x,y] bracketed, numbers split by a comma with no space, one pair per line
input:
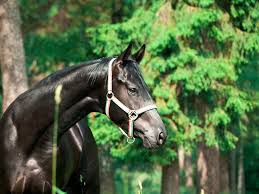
[94,69]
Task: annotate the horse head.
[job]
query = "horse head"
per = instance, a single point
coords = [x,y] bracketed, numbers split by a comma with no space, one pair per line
[129,103]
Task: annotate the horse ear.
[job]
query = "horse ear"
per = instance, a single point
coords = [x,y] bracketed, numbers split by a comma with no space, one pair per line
[138,56]
[125,54]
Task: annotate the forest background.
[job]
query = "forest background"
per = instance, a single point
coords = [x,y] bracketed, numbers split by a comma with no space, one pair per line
[201,65]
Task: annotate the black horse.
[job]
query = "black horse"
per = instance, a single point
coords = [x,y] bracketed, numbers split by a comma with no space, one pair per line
[26,126]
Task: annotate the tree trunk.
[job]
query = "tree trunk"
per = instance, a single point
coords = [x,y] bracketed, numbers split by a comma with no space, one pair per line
[107,182]
[106,175]
[164,14]
[233,173]
[188,169]
[14,80]
[208,169]
[240,176]
[224,174]
[117,11]
[170,178]
[181,158]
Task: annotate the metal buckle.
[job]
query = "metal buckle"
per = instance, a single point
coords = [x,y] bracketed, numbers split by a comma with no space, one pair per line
[133,115]
[109,95]
[130,140]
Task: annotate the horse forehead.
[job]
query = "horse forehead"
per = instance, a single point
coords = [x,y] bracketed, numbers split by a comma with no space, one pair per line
[131,65]
[136,78]
[133,71]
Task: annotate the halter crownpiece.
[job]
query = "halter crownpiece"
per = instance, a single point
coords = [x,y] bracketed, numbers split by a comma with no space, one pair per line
[132,114]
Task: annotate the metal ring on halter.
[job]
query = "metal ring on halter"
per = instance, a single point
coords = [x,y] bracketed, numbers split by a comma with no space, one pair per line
[130,140]
[109,95]
[133,115]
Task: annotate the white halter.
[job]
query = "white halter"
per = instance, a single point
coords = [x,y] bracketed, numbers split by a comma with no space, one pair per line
[132,114]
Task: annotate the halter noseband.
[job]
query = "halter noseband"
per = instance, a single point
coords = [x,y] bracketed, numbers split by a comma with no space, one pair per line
[132,114]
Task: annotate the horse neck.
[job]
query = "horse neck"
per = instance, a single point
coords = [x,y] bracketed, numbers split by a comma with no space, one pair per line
[86,83]
[83,92]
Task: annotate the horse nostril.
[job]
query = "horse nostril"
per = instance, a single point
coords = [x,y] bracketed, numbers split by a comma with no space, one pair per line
[161,138]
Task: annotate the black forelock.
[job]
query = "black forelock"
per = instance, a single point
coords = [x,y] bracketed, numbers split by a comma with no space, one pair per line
[135,70]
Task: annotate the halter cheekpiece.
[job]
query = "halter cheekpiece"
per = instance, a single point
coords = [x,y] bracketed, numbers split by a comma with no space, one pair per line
[132,114]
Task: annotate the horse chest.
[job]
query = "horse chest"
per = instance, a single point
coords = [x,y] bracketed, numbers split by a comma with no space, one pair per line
[37,167]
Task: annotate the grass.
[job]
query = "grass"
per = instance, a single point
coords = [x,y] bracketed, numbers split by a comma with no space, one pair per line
[54,143]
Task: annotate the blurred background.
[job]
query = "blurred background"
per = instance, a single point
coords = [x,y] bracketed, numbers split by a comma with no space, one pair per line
[201,64]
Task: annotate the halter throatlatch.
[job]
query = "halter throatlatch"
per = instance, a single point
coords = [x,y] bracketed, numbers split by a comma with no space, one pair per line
[132,114]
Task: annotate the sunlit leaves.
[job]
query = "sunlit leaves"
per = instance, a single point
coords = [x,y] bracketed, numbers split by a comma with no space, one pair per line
[218,117]
[238,102]
[245,14]
[53,10]
[192,22]
[105,133]
[165,43]
[200,3]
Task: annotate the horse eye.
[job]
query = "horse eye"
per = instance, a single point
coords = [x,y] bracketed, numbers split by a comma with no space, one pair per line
[132,91]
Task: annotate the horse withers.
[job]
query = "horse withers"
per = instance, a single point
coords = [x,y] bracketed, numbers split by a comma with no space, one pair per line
[110,85]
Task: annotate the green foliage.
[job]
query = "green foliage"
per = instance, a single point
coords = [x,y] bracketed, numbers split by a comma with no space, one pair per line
[245,14]
[105,135]
[200,3]
[70,47]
